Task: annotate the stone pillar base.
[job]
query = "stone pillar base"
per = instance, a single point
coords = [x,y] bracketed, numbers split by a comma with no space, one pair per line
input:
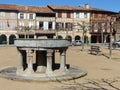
[29,71]
[41,69]
[19,71]
[49,72]
[63,69]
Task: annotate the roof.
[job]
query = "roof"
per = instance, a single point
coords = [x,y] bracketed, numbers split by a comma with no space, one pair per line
[35,9]
[51,8]
[56,7]
[21,8]
[8,7]
[85,7]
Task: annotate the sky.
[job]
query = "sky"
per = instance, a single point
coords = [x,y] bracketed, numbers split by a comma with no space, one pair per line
[110,5]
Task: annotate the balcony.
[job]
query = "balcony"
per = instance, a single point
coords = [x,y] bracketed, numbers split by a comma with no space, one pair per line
[32,32]
[99,31]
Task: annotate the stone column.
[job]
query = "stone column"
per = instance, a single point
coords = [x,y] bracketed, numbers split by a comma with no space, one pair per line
[35,36]
[8,40]
[20,63]
[97,39]
[29,57]
[63,60]
[49,62]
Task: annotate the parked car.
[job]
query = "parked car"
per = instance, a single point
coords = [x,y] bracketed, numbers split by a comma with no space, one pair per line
[78,43]
[116,44]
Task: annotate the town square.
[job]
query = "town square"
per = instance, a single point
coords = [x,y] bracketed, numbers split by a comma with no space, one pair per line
[102,73]
[66,45]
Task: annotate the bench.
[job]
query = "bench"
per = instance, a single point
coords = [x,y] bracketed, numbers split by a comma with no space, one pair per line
[94,49]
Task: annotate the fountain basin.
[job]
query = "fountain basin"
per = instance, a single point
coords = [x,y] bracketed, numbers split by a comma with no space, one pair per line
[42,43]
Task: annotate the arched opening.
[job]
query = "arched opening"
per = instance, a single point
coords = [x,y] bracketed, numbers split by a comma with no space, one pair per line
[93,39]
[69,38]
[60,37]
[77,37]
[3,39]
[11,39]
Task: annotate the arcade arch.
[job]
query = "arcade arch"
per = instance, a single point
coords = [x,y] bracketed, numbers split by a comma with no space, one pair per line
[60,37]
[77,37]
[3,39]
[69,38]
[11,39]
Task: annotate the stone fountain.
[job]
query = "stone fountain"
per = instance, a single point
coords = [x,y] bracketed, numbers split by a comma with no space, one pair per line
[36,61]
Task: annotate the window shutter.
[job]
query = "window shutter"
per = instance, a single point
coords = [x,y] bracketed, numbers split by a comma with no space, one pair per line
[34,15]
[25,16]
[18,15]
[74,15]
[28,16]
[53,25]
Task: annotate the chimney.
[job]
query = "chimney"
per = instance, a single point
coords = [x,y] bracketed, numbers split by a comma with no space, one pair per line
[87,6]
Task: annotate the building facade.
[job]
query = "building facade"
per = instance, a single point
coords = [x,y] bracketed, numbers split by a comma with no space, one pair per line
[100,26]
[8,22]
[67,22]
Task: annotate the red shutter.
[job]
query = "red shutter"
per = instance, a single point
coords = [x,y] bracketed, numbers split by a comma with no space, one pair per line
[68,15]
[59,15]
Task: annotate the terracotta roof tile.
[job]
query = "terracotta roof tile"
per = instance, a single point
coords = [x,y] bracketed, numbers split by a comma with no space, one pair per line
[35,9]
[8,7]
[85,7]
[49,9]
[55,7]
[21,8]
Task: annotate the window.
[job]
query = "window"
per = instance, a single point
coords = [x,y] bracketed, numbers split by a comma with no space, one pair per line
[50,25]
[68,26]
[2,25]
[77,15]
[103,27]
[21,16]
[95,27]
[59,15]
[68,15]
[2,14]
[30,16]
[40,25]
[95,15]
[85,15]
[59,25]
